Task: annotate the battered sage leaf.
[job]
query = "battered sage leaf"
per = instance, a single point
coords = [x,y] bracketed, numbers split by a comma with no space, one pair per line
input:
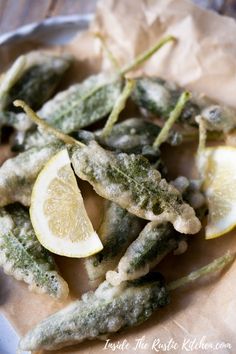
[118,229]
[77,107]
[131,182]
[107,310]
[152,245]
[23,257]
[17,121]
[191,191]
[18,174]
[219,118]
[134,135]
[156,240]
[33,77]
[159,97]
[128,180]
[36,81]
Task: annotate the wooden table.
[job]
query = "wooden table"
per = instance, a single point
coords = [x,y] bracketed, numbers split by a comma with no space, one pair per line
[15,13]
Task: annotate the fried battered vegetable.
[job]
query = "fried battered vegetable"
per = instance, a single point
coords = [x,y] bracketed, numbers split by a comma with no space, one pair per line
[191,191]
[33,77]
[128,180]
[107,310]
[118,229]
[159,97]
[86,103]
[23,257]
[17,121]
[82,104]
[156,240]
[133,135]
[152,245]
[18,174]
[131,182]
[77,107]
[34,81]
[142,256]
[219,118]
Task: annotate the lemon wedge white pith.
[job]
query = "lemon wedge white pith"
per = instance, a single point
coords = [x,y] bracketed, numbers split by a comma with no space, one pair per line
[58,214]
[218,166]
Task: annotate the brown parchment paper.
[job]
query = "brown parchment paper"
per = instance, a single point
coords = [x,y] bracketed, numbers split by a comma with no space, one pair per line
[202,317]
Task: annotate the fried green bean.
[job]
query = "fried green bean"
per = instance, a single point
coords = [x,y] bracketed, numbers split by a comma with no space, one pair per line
[23,257]
[131,182]
[18,174]
[118,229]
[152,245]
[107,310]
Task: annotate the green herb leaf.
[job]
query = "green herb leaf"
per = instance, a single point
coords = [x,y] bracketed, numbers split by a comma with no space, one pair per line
[33,78]
[131,182]
[18,174]
[118,229]
[107,310]
[23,257]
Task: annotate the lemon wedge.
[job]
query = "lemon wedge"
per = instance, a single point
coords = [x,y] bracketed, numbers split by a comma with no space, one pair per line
[58,213]
[218,168]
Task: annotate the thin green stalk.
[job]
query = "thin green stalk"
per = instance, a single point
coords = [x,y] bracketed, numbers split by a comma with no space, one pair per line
[109,53]
[118,107]
[202,134]
[140,59]
[174,115]
[49,129]
[216,265]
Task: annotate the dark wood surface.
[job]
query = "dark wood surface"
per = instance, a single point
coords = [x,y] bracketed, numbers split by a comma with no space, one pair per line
[15,13]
